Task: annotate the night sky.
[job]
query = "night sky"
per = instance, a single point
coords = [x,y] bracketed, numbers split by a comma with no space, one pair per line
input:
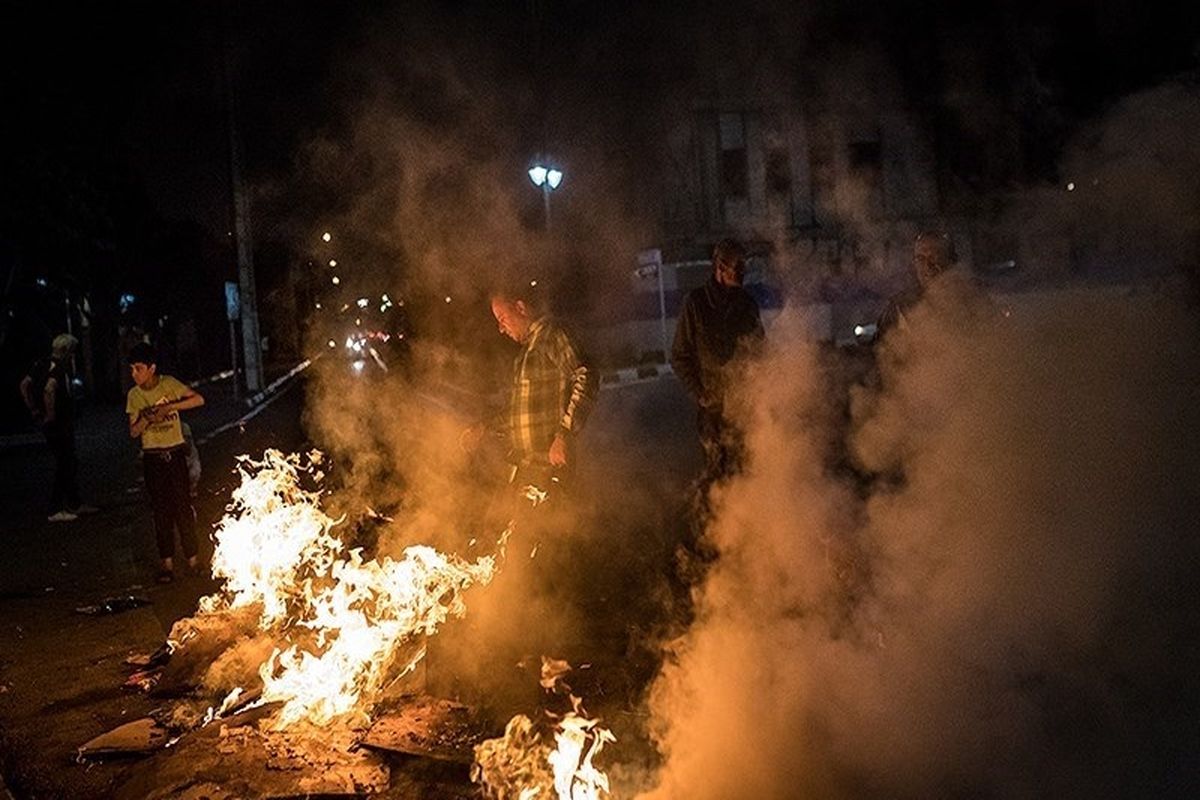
[142,84]
[117,161]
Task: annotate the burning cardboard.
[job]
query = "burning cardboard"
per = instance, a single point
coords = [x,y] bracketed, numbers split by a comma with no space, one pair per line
[428,727]
[139,737]
[346,627]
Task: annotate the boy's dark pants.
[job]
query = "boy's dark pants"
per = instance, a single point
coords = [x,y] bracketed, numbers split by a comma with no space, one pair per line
[170,498]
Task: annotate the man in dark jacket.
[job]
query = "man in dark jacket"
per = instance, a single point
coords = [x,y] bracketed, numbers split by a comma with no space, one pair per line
[933,254]
[46,391]
[718,321]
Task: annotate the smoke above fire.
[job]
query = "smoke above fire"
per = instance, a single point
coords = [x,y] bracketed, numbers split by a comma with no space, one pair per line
[983,593]
[959,575]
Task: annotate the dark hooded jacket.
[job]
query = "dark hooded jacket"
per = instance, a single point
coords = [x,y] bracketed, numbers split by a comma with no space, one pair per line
[715,324]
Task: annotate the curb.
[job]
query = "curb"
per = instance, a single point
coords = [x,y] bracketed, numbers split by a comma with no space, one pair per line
[631,375]
[608,380]
[220,376]
[254,404]
[259,402]
[273,387]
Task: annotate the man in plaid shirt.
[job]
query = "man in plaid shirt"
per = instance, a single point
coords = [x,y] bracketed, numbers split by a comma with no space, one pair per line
[553,388]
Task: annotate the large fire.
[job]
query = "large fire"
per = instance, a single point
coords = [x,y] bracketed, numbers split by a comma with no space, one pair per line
[349,625]
[346,626]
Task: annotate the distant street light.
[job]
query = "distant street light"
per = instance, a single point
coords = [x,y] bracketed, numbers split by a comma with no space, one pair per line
[547,179]
[326,236]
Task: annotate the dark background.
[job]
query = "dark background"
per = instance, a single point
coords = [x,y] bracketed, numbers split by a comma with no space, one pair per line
[116,174]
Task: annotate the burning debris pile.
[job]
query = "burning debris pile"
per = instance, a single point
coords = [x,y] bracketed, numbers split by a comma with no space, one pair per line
[522,764]
[344,626]
[292,656]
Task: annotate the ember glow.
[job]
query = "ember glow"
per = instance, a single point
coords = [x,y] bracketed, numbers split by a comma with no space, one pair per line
[349,625]
[521,765]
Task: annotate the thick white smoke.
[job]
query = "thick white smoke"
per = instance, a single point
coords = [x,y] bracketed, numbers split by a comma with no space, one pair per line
[992,606]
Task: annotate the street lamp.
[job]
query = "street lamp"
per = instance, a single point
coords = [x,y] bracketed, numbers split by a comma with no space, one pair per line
[547,179]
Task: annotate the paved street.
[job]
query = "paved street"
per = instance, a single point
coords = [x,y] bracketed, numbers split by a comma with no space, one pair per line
[60,672]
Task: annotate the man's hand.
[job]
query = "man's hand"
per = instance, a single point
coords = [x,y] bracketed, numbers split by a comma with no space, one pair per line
[558,451]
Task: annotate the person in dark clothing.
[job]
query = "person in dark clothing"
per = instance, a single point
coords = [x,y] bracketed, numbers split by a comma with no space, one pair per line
[718,321]
[47,394]
[946,292]
[933,254]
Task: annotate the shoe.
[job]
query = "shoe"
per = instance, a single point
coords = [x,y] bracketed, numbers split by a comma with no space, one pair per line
[62,516]
[84,509]
[165,576]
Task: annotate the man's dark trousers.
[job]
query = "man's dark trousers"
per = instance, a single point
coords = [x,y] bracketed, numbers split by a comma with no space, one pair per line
[64,495]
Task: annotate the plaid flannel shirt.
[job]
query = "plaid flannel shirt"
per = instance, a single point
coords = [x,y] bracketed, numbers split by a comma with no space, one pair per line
[553,390]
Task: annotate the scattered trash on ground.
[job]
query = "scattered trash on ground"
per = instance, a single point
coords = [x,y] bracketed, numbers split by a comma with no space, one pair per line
[114,605]
[144,680]
[139,737]
[146,660]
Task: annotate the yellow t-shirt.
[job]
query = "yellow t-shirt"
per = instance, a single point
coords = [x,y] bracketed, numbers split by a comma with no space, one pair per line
[158,435]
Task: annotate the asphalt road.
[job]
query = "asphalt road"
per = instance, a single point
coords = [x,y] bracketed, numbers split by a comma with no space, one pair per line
[60,671]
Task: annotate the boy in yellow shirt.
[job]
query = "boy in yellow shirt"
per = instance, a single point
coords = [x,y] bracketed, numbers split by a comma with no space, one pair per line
[153,406]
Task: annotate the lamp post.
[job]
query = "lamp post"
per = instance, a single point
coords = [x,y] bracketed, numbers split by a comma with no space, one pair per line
[547,179]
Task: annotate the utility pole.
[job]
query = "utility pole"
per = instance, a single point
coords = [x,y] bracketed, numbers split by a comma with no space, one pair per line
[251,340]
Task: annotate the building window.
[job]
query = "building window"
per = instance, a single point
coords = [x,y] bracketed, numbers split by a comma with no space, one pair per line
[779,172]
[866,155]
[866,165]
[732,132]
[822,165]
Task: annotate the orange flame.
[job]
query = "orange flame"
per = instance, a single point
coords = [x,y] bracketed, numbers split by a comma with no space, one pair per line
[362,621]
[521,765]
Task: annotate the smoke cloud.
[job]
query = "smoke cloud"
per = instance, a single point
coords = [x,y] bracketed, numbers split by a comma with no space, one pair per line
[1135,175]
[993,606]
[423,172]
[963,576]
